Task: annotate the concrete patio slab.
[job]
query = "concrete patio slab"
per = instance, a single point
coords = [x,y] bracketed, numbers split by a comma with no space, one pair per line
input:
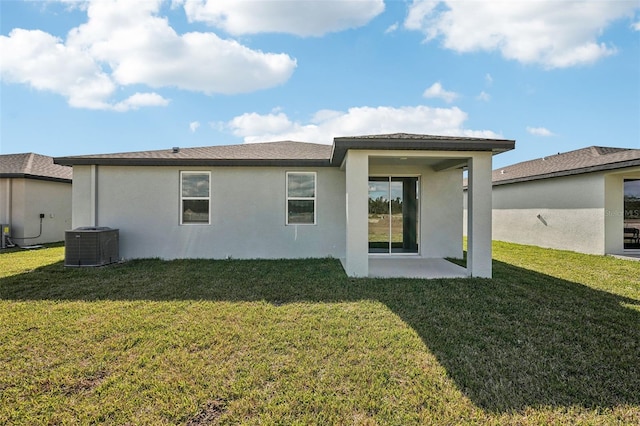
[414,267]
[627,256]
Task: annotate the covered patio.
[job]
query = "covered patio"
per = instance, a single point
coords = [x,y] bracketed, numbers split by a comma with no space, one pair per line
[427,206]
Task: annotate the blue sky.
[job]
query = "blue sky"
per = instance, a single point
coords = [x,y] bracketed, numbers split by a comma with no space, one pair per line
[113,76]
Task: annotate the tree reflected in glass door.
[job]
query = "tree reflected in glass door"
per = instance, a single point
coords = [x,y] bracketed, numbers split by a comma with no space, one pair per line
[393,214]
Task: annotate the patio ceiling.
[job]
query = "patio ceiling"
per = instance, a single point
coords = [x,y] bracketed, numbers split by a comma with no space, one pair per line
[438,163]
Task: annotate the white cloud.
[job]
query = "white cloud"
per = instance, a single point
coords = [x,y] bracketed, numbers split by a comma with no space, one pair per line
[141,100]
[540,131]
[45,63]
[327,124]
[529,31]
[636,26]
[142,48]
[193,126]
[419,12]
[484,96]
[252,123]
[392,28]
[125,43]
[437,91]
[488,79]
[300,17]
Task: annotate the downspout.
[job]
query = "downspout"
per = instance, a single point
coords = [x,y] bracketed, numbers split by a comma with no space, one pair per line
[94,196]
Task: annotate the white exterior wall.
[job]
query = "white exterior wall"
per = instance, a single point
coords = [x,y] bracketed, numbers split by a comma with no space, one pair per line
[582,213]
[248,209]
[248,212]
[22,200]
[571,211]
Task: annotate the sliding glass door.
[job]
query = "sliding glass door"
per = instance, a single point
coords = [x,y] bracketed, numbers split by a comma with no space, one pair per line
[632,214]
[393,214]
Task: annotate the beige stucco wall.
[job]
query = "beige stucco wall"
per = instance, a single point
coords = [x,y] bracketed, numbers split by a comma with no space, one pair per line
[22,200]
[562,213]
[582,213]
[247,212]
[83,196]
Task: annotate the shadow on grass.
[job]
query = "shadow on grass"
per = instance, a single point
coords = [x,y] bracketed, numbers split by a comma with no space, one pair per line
[523,339]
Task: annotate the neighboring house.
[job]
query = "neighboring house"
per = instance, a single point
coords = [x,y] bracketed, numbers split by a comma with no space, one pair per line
[385,197]
[35,198]
[586,200]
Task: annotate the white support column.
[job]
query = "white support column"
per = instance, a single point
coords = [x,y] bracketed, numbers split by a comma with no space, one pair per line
[479,216]
[357,203]
[613,215]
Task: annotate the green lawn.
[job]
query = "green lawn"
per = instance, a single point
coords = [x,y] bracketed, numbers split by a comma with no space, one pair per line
[554,338]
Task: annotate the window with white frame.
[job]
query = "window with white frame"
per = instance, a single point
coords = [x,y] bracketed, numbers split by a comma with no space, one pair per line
[195,198]
[301,198]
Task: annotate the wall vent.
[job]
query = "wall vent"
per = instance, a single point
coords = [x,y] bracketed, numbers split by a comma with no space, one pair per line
[91,246]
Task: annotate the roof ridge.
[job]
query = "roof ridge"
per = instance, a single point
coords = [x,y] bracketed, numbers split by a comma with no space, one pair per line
[595,150]
[29,162]
[181,148]
[606,150]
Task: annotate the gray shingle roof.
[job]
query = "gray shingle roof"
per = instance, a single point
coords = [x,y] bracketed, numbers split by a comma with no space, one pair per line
[585,160]
[253,154]
[33,166]
[288,153]
[414,136]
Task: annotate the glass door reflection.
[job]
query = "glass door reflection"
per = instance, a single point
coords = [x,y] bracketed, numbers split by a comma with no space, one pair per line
[393,214]
[379,217]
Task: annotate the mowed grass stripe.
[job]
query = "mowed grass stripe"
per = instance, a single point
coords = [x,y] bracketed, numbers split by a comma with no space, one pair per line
[297,342]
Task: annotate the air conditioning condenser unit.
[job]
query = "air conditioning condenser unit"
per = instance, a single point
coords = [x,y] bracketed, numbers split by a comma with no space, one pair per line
[91,246]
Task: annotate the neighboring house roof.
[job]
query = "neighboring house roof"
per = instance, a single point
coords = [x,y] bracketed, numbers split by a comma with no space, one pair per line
[288,153]
[33,166]
[585,160]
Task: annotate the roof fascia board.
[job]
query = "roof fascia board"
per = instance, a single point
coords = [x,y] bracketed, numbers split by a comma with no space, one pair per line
[342,145]
[70,161]
[444,155]
[33,177]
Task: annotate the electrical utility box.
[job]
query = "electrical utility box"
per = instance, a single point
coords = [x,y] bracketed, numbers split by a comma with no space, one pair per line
[5,236]
[91,246]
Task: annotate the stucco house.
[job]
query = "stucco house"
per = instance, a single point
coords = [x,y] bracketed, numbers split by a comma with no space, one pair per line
[587,200]
[385,205]
[35,198]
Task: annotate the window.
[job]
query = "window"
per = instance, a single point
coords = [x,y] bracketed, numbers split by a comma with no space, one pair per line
[195,197]
[301,198]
